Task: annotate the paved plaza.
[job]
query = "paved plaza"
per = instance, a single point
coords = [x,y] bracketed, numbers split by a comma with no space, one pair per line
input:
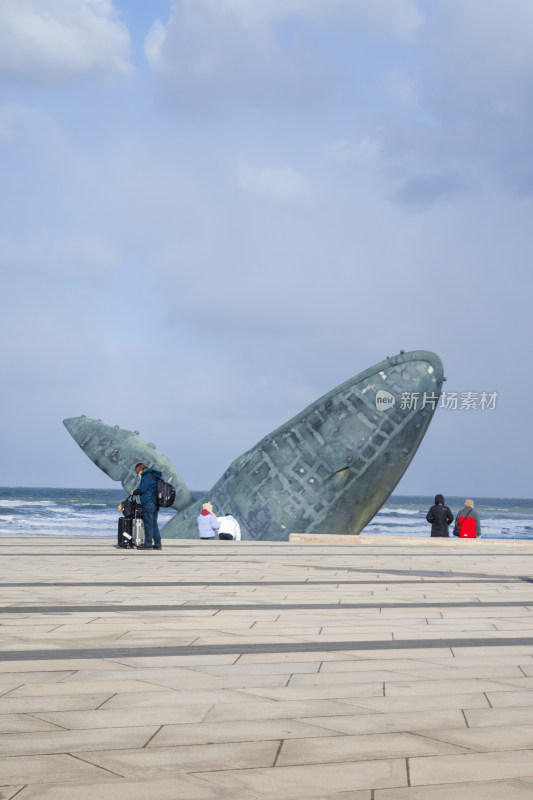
[379,670]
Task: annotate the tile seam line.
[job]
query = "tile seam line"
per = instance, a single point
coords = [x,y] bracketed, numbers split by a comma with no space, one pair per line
[91,609]
[97,766]
[267,648]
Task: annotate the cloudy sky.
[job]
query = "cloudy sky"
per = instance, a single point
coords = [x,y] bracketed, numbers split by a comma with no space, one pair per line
[215,211]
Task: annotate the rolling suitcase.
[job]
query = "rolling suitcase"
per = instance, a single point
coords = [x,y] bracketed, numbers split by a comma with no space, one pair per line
[137,532]
[130,525]
[125,531]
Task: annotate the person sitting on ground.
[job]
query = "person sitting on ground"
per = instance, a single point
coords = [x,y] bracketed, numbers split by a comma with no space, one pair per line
[229,528]
[440,517]
[467,525]
[207,522]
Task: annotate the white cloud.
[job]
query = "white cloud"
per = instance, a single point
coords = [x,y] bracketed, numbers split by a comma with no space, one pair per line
[398,18]
[273,183]
[365,150]
[468,116]
[455,113]
[479,57]
[503,34]
[265,52]
[154,44]
[81,257]
[52,42]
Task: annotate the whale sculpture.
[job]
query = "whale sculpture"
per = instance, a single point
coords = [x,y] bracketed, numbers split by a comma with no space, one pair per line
[329,469]
[116,451]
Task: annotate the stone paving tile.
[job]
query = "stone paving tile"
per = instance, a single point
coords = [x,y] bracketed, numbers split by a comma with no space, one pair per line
[16,678]
[73,741]
[125,717]
[89,687]
[387,723]
[48,769]
[501,737]
[490,717]
[353,748]
[202,681]
[367,677]
[471,767]
[15,705]
[509,672]
[239,731]
[272,632]
[158,762]
[129,674]
[181,786]
[286,668]
[402,653]
[421,702]
[282,658]
[226,712]
[360,663]
[469,658]
[22,723]
[179,698]
[484,790]
[454,687]
[351,692]
[363,794]
[516,651]
[325,679]
[44,665]
[364,636]
[194,661]
[312,781]
[228,637]
[521,683]
[512,698]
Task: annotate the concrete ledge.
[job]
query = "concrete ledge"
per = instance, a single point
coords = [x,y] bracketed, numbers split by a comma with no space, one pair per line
[387,541]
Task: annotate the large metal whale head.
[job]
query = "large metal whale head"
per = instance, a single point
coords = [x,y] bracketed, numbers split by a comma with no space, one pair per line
[116,451]
[329,469]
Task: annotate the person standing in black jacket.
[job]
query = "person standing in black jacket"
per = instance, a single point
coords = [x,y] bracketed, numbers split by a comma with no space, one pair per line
[440,517]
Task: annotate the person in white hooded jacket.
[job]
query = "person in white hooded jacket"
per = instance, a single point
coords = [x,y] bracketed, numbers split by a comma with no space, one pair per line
[228,528]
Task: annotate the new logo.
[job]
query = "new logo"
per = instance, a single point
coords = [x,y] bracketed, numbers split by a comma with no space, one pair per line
[384,400]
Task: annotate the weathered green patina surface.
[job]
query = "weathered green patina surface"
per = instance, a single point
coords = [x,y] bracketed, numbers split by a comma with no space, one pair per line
[116,451]
[327,470]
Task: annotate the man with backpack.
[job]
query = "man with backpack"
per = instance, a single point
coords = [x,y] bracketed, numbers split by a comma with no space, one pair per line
[147,490]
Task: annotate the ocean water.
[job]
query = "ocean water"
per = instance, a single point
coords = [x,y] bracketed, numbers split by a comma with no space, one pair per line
[500,517]
[93,512]
[63,512]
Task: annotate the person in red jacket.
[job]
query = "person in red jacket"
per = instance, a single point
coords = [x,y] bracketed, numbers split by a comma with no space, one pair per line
[467,522]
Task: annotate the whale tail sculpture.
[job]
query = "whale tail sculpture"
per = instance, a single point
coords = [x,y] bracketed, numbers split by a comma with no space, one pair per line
[116,451]
[329,469]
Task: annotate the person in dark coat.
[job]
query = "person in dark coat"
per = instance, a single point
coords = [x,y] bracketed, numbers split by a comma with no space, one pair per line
[440,517]
[147,489]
